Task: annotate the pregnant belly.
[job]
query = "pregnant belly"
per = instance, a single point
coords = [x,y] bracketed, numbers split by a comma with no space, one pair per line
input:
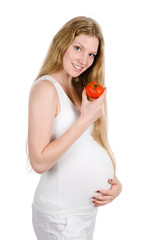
[82,172]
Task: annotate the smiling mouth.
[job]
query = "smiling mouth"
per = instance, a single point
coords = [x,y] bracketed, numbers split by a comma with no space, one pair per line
[77,67]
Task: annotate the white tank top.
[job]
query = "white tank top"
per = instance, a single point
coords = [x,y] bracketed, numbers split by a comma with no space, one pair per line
[83,169]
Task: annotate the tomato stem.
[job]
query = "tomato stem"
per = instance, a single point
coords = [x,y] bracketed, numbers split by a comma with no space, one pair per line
[95,85]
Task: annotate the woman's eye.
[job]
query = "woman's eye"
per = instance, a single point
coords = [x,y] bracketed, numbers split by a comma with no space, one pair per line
[77,48]
[92,55]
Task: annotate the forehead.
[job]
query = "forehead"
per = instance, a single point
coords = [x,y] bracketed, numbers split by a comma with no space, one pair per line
[90,43]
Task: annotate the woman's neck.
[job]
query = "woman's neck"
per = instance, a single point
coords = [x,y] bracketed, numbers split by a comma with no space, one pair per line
[64,79]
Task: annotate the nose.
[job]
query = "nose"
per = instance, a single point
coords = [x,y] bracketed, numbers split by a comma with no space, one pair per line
[83,60]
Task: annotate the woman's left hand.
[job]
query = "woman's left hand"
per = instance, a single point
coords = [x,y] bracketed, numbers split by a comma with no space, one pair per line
[108,195]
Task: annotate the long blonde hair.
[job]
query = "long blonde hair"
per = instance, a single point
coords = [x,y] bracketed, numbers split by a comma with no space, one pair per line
[53,63]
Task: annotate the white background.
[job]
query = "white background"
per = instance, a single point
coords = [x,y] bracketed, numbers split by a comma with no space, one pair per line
[132,51]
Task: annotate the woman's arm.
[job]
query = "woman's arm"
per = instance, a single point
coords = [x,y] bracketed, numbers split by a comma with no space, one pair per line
[55,149]
[42,110]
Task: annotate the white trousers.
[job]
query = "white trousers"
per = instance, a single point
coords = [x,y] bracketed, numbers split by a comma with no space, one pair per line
[76,226]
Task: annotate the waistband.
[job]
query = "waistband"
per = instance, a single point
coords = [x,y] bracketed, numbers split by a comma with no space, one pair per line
[81,211]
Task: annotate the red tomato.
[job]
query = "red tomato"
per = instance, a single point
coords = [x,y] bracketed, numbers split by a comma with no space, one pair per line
[94,89]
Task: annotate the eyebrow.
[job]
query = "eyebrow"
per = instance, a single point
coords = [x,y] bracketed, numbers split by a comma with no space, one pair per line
[83,46]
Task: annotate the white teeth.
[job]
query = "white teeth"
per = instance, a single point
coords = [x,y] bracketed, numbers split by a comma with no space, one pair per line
[77,66]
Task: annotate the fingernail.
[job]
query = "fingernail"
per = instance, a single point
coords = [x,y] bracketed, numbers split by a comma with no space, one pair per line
[98,191]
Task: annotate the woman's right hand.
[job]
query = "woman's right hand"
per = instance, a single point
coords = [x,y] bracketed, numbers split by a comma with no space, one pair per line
[92,110]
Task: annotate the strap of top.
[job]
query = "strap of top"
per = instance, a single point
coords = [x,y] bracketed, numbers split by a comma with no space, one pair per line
[44,77]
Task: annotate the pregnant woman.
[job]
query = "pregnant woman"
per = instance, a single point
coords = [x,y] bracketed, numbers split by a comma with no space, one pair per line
[67,136]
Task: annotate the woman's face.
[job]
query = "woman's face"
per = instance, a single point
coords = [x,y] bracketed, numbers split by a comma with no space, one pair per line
[80,54]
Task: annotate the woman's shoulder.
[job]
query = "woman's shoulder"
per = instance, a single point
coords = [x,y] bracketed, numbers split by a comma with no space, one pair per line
[43,89]
[43,85]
